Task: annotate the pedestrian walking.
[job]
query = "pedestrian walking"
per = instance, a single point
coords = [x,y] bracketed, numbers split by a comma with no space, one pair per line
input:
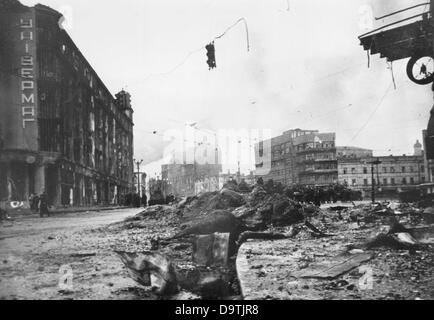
[4,203]
[43,205]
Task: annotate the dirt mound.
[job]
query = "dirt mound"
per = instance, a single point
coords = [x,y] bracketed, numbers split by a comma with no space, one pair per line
[195,205]
[225,199]
[257,196]
[205,203]
[217,221]
[263,210]
[158,211]
[286,213]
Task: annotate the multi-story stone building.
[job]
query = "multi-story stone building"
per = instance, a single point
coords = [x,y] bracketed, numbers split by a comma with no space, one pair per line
[428,161]
[392,174]
[298,156]
[193,169]
[316,159]
[61,129]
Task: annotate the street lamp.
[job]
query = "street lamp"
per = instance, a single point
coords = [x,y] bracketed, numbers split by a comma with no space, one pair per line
[372,163]
[139,189]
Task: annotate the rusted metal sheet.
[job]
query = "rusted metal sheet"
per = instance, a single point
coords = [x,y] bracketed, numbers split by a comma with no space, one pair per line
[212,249]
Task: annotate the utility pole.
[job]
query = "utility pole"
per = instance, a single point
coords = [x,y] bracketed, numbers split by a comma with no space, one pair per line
[378,176]
[139,188]
[372,163]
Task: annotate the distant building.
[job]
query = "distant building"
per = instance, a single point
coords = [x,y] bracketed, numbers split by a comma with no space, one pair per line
[428,145]
[305,157]
[196,175]
[61,130]
[418,151]
[185,180]
[429,163]
[395,173]
[316,159]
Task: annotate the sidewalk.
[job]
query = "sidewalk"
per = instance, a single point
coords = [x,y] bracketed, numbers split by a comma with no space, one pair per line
[28,213]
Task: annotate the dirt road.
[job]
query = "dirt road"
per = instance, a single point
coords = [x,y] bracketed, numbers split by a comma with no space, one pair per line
[64,257]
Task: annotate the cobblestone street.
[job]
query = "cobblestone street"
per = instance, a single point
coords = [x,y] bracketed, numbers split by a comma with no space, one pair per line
[33,249]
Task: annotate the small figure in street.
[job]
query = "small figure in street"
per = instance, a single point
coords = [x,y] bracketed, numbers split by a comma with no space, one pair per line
[43,205]
[4,209]
[33,201]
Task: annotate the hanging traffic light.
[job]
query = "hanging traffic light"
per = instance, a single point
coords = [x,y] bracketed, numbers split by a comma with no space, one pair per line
[211,56]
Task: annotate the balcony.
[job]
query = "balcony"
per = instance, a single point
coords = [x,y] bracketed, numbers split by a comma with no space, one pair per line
[316,150]
[400,42]
[312,161]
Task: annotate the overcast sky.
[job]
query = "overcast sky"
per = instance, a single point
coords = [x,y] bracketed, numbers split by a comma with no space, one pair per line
[305,69]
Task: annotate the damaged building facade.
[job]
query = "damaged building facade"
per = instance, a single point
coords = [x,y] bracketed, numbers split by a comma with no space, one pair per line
[310,158]
[61,130]
[392,174]
[193,170]
[305,157]
[184,180]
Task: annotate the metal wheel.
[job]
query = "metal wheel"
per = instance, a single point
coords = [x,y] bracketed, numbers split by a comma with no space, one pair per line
[420,69]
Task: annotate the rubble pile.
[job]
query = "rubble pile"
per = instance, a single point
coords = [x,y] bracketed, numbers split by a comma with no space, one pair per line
[201,235]
[224,212]
[166,215]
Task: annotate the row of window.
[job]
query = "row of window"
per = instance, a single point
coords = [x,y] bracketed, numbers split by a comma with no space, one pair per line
[318,156]
[366,170]
[315,145]
[281,173]
[385,181]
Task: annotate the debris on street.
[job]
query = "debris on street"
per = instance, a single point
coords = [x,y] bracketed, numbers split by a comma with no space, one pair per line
[207,237]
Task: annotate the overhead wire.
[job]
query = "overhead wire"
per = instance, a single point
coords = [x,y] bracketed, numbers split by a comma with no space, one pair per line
[372,113]
[203,47]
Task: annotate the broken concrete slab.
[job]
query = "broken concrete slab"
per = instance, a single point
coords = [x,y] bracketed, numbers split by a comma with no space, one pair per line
[423,234]
[333,268]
